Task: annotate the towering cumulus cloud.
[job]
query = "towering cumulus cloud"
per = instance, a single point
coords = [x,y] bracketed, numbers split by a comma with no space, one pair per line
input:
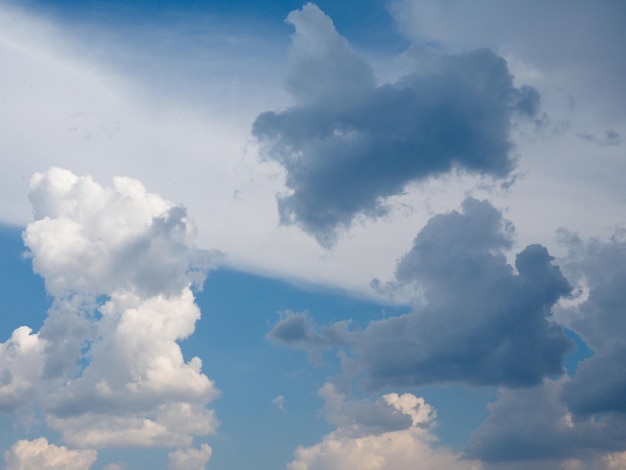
[347,144]
[106,368]
[479,321]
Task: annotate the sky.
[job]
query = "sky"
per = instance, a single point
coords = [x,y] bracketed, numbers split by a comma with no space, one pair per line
[369,234]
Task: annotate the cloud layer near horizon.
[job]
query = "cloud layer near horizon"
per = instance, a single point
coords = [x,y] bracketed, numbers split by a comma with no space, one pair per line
[347,143]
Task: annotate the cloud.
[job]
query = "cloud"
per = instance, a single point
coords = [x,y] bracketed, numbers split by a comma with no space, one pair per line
[610,138]
[599,384]
[38,454]
[478,322]
[576,422]
[106,367]
[190,458]
[549,39]
[392,433]
[533,428]
[347,144]
[279,402]
[299,330]
[21,360]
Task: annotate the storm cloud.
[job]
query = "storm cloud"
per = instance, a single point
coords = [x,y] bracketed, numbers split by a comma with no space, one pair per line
[348,143]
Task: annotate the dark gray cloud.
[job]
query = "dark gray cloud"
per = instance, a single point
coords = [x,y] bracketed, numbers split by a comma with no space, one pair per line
[347,144]
[599,384]
[534,425]
[581,417]
[298,330]
[481,322]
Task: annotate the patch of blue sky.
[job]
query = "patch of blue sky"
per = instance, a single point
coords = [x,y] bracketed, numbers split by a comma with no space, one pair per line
[238,310]
[23,300]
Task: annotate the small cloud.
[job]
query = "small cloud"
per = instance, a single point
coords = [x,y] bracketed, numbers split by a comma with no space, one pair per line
[610,138]
[279,402]
[116,466]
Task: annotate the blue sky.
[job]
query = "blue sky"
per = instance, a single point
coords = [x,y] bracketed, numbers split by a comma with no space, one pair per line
[332,235]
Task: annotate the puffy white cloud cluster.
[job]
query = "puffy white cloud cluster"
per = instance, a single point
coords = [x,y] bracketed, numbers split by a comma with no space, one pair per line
[392,433]
[38,454]
[106,367]
[190,458]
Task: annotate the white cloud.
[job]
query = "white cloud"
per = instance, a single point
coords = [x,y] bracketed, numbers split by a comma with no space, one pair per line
[120,264]
[38,454]
[361,441]
[116,466]
[20,368]
[279,402]
[189,459]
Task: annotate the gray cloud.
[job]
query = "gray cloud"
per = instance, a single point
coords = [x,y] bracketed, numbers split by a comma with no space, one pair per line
[600,381]
[362,417]
[347,144]
[599,385]
[481,322]
[610,138]
[583,417]
[298,330]
[534,425]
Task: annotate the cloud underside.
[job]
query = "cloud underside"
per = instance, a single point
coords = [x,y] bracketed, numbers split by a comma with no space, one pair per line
[106,368]
[479,321]
[347,144]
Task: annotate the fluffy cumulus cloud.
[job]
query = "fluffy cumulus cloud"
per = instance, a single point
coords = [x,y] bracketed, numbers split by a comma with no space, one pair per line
[392,433]
[38,454]
[479,321]
[106,367]
[347,143]
[190,458]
